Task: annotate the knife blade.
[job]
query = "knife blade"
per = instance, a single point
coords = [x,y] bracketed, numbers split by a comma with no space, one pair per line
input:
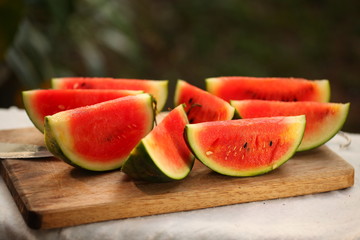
[17,150]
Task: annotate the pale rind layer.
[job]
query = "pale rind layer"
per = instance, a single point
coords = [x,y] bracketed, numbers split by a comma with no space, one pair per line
[293,134]
[60,141]
[328,129]
[162,155]
[159,88]
[33,115]
[321,127]
[324,89]
[161,94]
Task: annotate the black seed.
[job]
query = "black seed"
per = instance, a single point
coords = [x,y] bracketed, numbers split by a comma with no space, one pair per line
[245,145]
[191,120]
[270,143]
[191,100]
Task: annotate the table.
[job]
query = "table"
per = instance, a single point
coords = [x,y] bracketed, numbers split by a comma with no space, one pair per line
[331,215]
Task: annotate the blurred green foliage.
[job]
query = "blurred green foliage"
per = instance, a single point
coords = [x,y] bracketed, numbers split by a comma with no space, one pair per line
[191,40]
[10,16]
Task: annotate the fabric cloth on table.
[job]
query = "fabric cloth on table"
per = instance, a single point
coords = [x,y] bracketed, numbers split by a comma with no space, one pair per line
[331,215]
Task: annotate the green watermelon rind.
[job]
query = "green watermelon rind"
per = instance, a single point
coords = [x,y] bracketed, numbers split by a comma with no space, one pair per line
[323,86]
[55,148]
[325,136]
[61,152]
[26,97]
[53,145]
[246,173]
[142,165]
[161,86]
[332,131]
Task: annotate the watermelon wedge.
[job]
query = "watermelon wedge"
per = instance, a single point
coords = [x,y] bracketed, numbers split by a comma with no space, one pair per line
[100,137]
[157,88]
[281,89]
[43,102]
[245,147]
[200,105]
[323,120]
[162,155]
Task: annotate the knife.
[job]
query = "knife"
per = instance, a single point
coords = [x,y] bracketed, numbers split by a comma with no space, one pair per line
[16,150]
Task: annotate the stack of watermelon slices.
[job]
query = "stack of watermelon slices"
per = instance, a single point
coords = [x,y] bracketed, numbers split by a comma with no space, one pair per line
[268,97]
[94,123]
[103,124]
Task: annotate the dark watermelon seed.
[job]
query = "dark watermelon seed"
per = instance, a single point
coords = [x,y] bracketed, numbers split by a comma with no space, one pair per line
[270,143]
[190,100]
[245,145]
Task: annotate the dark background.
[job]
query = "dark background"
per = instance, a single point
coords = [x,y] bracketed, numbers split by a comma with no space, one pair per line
[180,39]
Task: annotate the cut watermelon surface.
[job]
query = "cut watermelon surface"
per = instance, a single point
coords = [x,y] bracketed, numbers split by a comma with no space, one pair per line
[163,154]
[43,102]
[281,89]
[100,137]
[200,105]
[157,88]
[323,120]
[245,147]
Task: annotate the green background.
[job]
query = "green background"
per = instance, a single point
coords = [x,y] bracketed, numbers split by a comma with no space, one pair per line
[180,39]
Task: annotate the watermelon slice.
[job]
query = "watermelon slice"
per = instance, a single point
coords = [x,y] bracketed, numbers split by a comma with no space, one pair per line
[157,88]
[281,89]
[163,154]
[323,120]
[245,147]
[100,137]
[201,106]
[43,102]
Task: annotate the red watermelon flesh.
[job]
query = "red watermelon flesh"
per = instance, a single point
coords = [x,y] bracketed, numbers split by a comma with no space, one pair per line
[281,89]
[43,102]
[200,105]
[245,147]
[157,88]
[100,137]
[323,120]
[163,154]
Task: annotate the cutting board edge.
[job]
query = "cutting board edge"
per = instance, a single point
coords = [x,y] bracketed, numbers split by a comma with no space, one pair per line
[45,219]
[42,219]
[32,218]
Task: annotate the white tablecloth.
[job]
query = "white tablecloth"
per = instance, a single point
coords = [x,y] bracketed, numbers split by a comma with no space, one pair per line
[332,215]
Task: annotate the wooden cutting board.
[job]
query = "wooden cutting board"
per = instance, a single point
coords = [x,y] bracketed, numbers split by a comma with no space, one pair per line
[52,194]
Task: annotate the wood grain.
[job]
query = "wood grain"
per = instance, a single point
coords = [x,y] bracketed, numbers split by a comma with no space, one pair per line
[52,194]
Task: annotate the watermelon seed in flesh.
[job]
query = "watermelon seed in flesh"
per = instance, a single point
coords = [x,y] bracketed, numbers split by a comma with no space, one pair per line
[200,105]
[323,120]
[245,147]
[192,106]
[269,88]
